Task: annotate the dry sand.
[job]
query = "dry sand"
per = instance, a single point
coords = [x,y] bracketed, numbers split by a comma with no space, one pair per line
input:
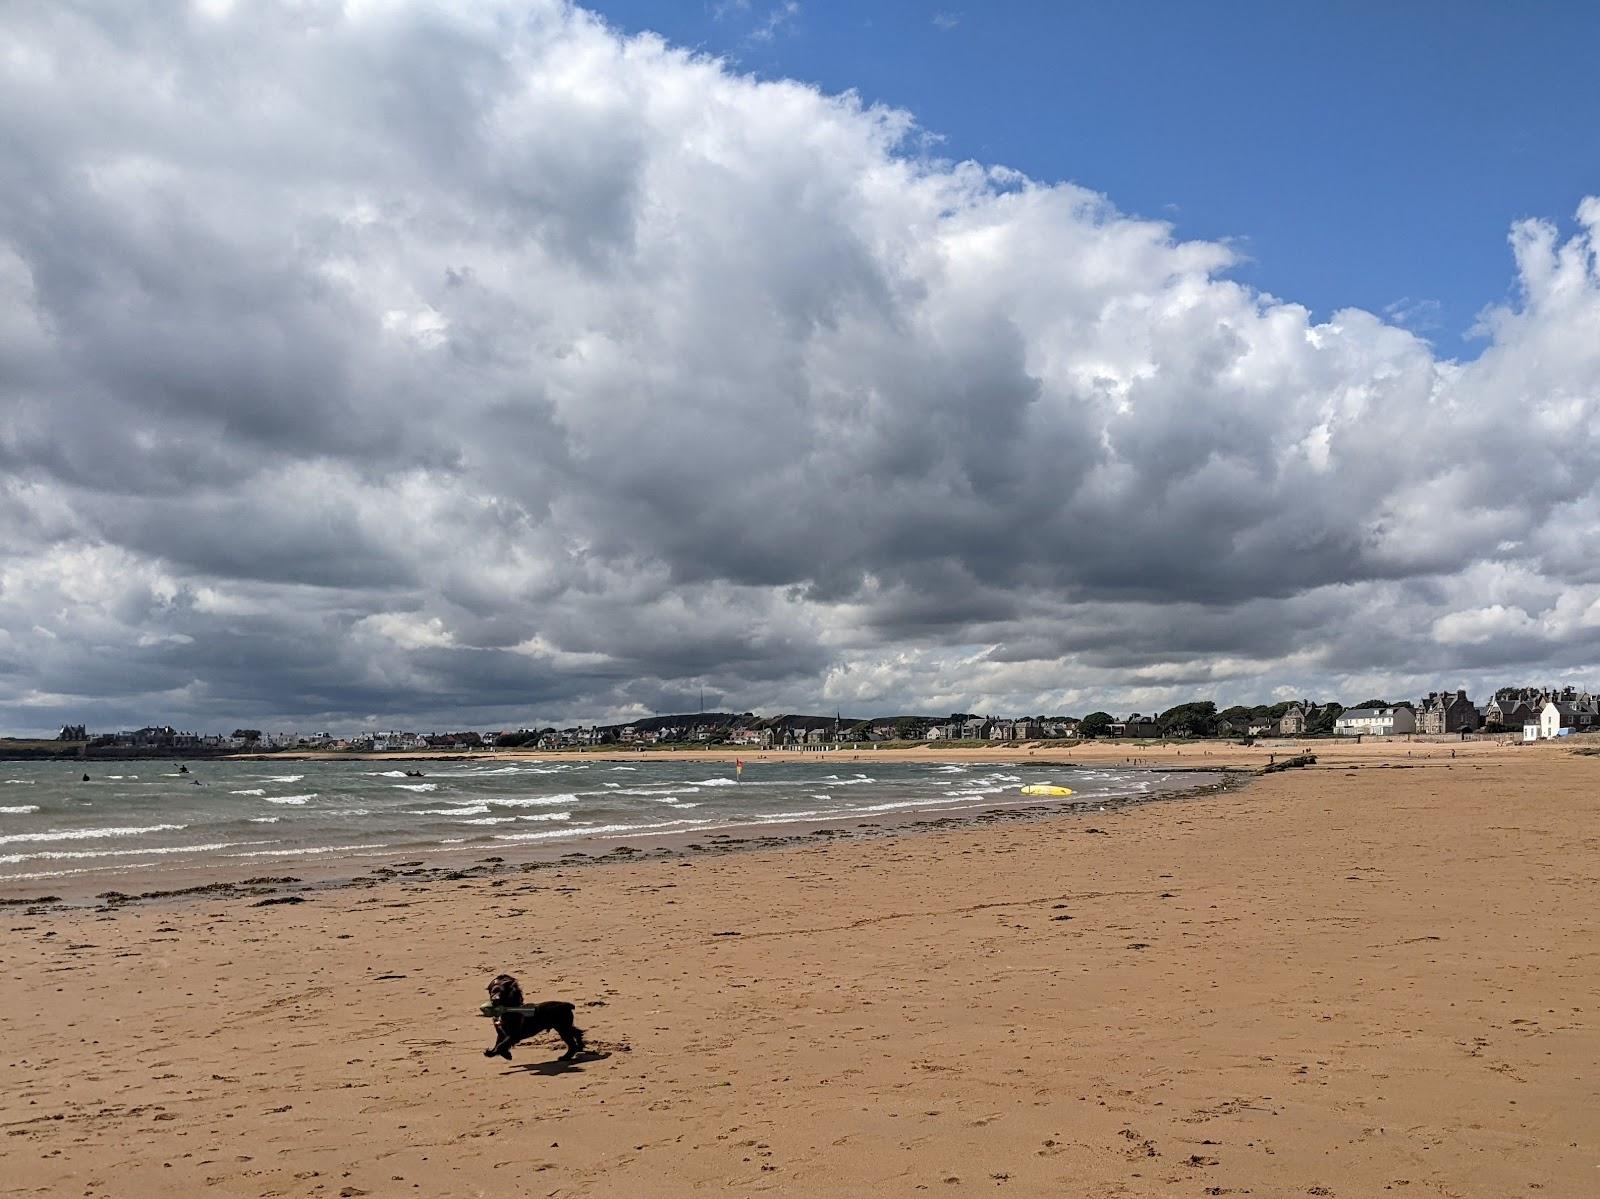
[1352,980]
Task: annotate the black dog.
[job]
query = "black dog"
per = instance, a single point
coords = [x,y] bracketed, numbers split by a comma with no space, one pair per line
[511,1027]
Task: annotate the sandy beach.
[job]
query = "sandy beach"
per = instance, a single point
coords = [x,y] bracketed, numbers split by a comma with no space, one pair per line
[1374,976]
[1200,755]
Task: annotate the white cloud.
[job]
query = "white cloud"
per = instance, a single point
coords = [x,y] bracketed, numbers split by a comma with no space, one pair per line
[1479,625]
[406,630]
[579,372]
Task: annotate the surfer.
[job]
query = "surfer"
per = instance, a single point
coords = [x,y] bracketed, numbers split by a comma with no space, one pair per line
[183,770]
[86,778]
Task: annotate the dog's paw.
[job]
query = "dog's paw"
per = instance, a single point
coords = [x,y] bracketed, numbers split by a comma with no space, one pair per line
[489,1052]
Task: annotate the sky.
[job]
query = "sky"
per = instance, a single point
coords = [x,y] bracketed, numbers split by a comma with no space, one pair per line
[1355,154]
[389,364]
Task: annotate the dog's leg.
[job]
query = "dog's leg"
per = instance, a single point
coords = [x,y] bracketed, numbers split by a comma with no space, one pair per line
[573,1036]
[502,1044]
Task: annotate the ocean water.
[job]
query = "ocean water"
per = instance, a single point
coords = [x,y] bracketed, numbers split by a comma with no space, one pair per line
[264,816]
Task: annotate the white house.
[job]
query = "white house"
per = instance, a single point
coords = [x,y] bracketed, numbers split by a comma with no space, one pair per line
[1561,716]
[1376,722]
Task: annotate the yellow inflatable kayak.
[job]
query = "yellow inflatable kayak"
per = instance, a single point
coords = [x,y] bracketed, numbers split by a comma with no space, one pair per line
[1045,789]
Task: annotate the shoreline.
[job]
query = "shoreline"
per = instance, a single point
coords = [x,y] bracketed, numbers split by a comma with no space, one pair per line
[219,877]
[288,880]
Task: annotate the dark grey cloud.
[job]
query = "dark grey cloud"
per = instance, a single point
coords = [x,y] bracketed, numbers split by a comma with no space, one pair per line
[410,362]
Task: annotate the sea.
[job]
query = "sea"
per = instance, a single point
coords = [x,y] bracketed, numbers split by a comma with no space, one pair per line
[233,817]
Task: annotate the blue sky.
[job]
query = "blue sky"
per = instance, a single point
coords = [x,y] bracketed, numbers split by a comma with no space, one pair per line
[1359,154]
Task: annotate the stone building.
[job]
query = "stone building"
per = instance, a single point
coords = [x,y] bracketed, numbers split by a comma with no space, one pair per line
[1447,712]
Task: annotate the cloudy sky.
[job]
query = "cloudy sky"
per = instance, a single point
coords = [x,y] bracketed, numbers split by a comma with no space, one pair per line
[432,364]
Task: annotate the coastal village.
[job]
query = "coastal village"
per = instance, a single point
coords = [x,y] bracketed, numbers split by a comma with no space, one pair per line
[1523,713]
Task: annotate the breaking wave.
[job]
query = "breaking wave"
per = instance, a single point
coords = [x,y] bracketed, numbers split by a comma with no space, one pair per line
[532,801]
[91,834]
[595,830]
[64,855]
[514,819]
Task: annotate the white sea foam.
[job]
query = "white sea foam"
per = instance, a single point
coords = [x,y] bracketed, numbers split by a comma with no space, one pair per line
[785,817]
[346,812]
[389,774]
[476,809]
[306,852]
[594,830]
[951,769]
[624,768]
[653,792]
[717,782]
[852,782]
[514,819]
[90,834]
[20,809]
[417,786]
[21,782]
[532,801]
[296,800]
[63,855]
[249,791]
[97,868]
[283,778]
[265,819]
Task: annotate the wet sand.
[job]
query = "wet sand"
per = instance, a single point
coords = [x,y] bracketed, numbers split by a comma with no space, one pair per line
[1356,980]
